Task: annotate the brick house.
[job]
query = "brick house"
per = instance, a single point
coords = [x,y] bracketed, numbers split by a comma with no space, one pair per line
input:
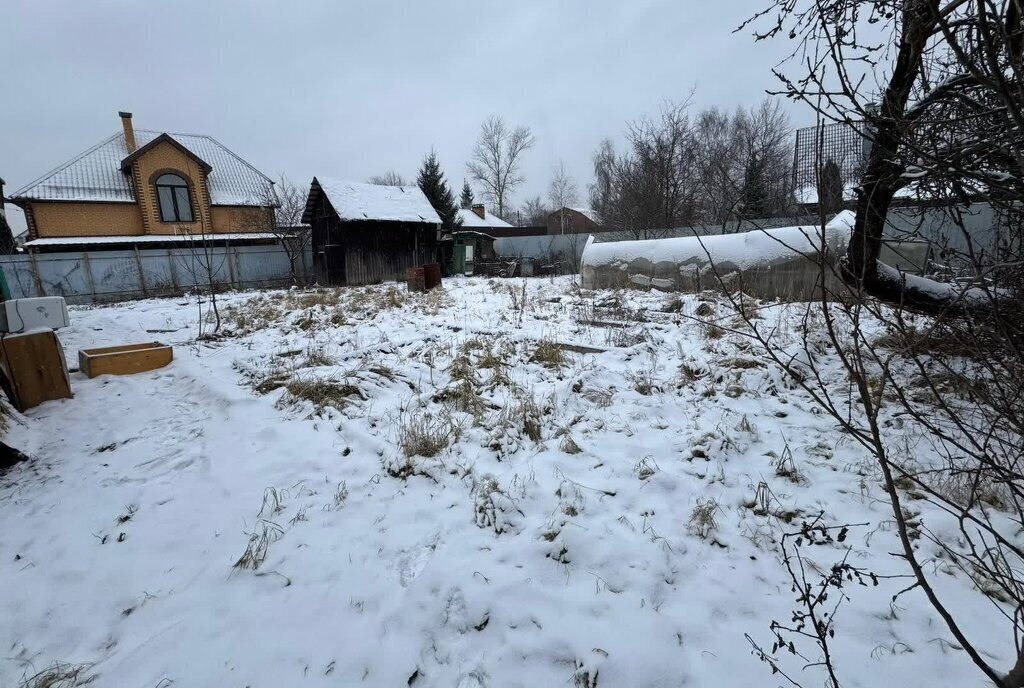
[147,188]
[573,221]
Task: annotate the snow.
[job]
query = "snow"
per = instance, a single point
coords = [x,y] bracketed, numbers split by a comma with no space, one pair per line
[358,201]
[503,561]
[741,251]
[148,238]
[470,220]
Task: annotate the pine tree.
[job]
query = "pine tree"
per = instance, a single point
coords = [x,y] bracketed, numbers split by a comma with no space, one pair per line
[755,189]
[467,195]
[7,244]
[435,188]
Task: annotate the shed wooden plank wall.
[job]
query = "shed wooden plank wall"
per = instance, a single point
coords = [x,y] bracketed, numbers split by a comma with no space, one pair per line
[380,253]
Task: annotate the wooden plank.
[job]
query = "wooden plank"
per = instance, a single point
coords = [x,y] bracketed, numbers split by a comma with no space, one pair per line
[124,360]
[35,368]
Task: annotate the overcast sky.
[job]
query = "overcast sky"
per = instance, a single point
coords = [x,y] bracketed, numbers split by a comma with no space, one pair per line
[351,89]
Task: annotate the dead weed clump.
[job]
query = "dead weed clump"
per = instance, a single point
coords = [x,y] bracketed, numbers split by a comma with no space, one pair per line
[59,675]
[265,534]
[321,393]
[702,518]
[549,354]
[420,434]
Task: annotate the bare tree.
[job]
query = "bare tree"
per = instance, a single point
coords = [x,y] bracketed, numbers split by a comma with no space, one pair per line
[279,211]
[562,192]
[389,178]
[534,212]
[946,131]
[495,161]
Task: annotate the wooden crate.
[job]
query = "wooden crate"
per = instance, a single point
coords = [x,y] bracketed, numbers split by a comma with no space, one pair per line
[124,360]
[34,368]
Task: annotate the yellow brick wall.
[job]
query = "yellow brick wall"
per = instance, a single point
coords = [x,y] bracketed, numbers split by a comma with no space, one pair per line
[86,219]
[236,219]
[166,157]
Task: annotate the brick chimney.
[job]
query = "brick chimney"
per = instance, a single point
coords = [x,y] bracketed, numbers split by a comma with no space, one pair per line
[478,208]
[129,132]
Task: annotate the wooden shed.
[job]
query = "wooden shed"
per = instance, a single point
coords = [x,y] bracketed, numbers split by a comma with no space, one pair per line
[469,248]
[365,233]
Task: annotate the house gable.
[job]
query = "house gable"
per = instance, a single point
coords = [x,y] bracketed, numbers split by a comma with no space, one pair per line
[162,156]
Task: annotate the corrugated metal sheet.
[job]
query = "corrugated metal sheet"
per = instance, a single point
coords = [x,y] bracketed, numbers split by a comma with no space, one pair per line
[105,276]
[96,175]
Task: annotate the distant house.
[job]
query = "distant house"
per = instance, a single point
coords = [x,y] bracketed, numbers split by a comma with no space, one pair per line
[573,221]
[365,233]
[478,219]
[147,189]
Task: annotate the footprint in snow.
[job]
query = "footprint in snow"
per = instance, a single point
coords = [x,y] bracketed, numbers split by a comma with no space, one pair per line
[414,560]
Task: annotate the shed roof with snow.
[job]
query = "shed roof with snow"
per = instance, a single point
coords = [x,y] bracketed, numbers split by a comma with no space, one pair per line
[357,201]
[97,175]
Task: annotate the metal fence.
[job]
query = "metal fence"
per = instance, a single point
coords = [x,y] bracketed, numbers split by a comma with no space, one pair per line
[566,248]
[104,276]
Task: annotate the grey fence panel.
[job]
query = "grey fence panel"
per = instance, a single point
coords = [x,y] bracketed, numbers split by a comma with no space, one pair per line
[569,246]
[20,277]
[103,276]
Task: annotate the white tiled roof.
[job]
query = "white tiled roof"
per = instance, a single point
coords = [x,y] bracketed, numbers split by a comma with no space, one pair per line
[471,219]
[358,201]
[96,174]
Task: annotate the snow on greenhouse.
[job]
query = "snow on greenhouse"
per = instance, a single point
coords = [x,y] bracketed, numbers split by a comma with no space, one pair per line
[770,263]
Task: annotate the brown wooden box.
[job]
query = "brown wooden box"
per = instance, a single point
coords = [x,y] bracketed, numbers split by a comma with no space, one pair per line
[34,368]
[124,360]
[415,279]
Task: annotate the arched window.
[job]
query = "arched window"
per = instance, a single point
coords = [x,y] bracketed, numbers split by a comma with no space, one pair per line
[172,193]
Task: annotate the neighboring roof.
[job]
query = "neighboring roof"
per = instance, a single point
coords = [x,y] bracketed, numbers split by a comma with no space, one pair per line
[96,175]
[588,213]
[471,219]
[148,239]
[359,201]
[473,232]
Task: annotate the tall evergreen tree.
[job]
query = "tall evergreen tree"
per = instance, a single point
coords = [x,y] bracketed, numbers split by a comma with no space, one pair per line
[755,188]
[7,244]
[431,182]
[467,195]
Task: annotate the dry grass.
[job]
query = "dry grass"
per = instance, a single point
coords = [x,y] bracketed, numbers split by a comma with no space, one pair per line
[549,354]
[569,446]
[674,305]
[420,434]
[702,519]
[59,675]
[265,534]
[321,393]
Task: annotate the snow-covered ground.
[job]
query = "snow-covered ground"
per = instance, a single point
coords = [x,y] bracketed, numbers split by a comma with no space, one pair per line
[207,525]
